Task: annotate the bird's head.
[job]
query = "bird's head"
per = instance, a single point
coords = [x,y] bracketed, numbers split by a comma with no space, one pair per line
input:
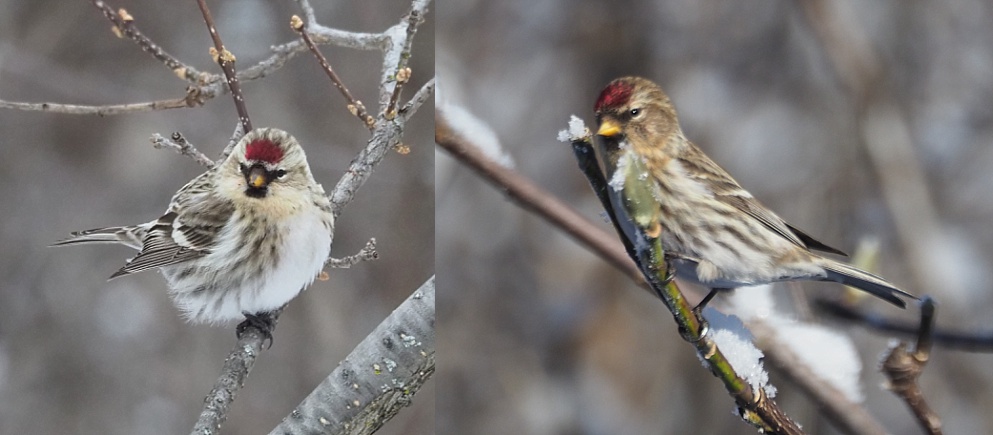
[268,161]
[635,108]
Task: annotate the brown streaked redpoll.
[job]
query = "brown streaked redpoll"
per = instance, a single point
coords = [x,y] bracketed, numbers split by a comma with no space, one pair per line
[240,240]
[713,231]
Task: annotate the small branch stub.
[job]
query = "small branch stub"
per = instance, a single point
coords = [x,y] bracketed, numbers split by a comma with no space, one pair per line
[401,148]
[367,253]
[296,23]
[224,56]
[403,76]
[903,366]
[125,16]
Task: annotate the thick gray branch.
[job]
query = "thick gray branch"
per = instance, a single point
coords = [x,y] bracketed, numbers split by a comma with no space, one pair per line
[377,379]
[236,368]
[384,137]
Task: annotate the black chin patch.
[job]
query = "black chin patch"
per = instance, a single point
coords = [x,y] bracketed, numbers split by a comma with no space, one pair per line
[256,192]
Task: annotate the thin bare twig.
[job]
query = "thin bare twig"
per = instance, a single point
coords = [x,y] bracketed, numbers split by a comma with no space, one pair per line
[235,137]
[179,143]
[903,366]
[226,60]
[124,23]
[355,107]
[367,253]
[534,198]
[110,109]
[396,48]
[341,38]
[402,73]
[420,97]
[978,342]
[209,85]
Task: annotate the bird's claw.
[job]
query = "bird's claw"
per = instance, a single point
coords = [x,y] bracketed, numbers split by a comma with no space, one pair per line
[262,322]
[670,271]
[702,331]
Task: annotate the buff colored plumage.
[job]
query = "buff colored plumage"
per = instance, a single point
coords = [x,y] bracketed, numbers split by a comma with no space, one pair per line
[716,233]
[240,240]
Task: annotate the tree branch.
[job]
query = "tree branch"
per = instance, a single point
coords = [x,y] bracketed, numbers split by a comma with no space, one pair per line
[378,378]
[536,200]
[179,143]
[849,417]
[903,366]
[209,86]
[124,24]
[355,107]
[82,109]
[233,375]
[401,74]
[226,60]
[367,253]
[419,98]
[385,136]
[399,39]
[341,38]
[980,342]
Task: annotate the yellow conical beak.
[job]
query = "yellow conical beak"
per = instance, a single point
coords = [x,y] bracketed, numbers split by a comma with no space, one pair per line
[608,128]
[256,177]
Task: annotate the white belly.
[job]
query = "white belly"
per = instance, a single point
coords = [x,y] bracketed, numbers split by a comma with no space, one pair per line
[230,286]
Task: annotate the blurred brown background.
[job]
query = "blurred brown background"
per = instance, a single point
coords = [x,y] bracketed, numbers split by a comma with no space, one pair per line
[538,336]
[82,355]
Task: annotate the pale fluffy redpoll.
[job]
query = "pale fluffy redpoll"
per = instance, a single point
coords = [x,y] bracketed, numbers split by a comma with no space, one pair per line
[714,231]
[242,239]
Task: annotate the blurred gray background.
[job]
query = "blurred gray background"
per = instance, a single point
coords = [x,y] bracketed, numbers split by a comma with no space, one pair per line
[82,355]
[538,336]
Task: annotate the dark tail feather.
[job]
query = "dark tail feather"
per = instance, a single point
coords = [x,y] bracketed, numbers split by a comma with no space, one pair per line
[99,235]
[865,281]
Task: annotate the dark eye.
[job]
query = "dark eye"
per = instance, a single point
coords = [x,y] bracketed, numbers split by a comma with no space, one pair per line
[244,168]
[635,112]
[280,173]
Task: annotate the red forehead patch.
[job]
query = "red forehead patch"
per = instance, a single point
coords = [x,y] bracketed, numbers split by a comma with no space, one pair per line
[614,95]
[263,150]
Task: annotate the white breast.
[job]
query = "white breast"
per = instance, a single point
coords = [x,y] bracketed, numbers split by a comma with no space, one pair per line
[304,252]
